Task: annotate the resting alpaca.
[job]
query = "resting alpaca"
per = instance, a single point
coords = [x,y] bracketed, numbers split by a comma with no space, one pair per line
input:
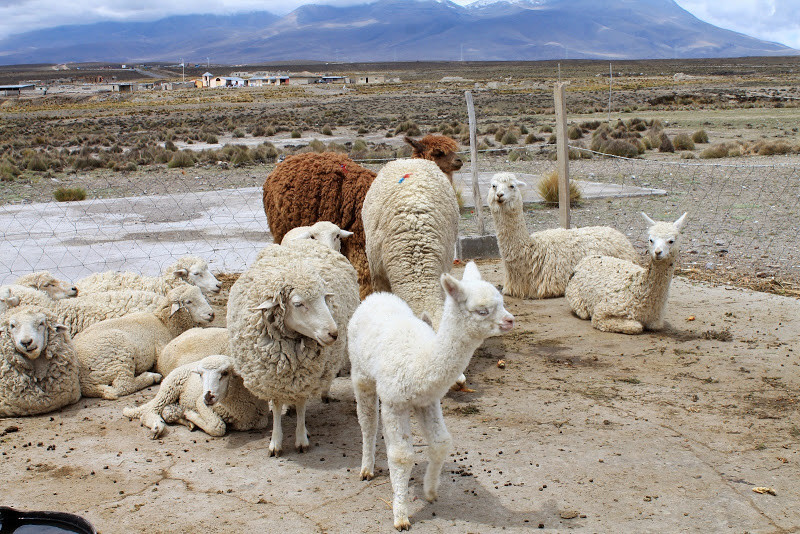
[398,359]
[116,355]
[208,394]
[539,265]
[312,187]
[620,296]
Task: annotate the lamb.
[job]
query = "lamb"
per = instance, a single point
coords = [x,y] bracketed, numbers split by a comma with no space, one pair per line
[81,312]
[287,321]
[192,346]
[621,296]
[208,394]
[38,365]
[45,281]
[188,269]
[325,232]
[539,265]
[399,360]
[312,187]
[115,355]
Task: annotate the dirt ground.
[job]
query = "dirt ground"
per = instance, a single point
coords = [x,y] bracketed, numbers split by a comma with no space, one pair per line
[581,430]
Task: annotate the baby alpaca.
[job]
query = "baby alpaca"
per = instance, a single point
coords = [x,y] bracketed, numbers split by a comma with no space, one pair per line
[621,296]
[400,360]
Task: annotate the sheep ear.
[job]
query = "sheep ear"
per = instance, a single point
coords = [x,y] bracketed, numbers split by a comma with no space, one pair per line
[174,309]
[647,219]
[8,299]
[60,328]
[419,147]
[425,318]
[471,272]
[302,235]
[180,273]
[344,234]
[681,222]
[452,287]
[265,306]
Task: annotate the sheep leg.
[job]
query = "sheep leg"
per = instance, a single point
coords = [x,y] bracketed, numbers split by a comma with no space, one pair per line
[126,384]
[397,434]
[367,409]
[439,443]
[611,323]
[276,440]
[301,432]
[204,417]
[155,423]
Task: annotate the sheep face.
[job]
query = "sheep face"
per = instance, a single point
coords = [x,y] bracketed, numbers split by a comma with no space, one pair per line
[325,232]
[664,238]
[192,300]
[504,190]
[480,302]
[199,275]
[44,281]
[29,330]
[215,371]
[310,316]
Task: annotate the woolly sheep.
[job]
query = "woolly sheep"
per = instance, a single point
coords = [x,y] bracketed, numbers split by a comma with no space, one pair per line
[115,355]
[208,394]
[45,281]
[325,232]
[192,346]
[81,312]
[402,362]
[287,321]
[188,269]
[539,265]
[621,296]
[312,187]
[38,365]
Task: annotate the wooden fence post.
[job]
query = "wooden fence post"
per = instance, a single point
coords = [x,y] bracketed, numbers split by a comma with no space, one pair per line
[473,159]
[562,151]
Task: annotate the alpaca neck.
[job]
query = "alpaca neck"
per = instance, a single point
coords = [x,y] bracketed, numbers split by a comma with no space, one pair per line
[656,282]
[513,238]
[453,348]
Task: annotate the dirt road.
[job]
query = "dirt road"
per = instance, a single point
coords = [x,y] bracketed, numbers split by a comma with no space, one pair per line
[584,430]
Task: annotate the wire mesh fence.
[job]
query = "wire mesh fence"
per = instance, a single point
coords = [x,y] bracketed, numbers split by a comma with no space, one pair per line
[742,217]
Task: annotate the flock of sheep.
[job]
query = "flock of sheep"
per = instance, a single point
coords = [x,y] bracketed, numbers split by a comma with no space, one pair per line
[360,280]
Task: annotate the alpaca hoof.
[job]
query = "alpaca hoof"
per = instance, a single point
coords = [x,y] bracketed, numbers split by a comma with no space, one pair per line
[367,474]
[431,496]
[462,388]
[274,451]
[302,448]
[402,524]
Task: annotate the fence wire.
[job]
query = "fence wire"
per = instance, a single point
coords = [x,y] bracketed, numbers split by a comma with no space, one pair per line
[742,217]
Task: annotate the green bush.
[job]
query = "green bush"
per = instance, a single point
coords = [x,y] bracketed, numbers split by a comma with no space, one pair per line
[242,156]
[37,163]
[296,134]
[169,145]
[546,129]
[619,147]
[238,133]
[682,141]
[181,159]
[573,132]
[700,136]
[8,171]
[69,194]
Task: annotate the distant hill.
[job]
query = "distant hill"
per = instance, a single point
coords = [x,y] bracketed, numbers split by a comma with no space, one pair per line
[400,30]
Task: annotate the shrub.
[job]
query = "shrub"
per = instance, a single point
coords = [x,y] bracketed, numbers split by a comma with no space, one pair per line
[169,145]
[86,163]
[359,145]
[181,159]
[548,189]
[36,163]
[720,150]
[242,156]
[546,129]
[509,138]
[69,194]
[362,130]
[532,138]
[410,128]
[700,136]
[316,146]
[326,130]
[296,134]
[665,145]
[238,133]
[770,148]
[590,125]
[573,132]
[8,171]
[619,147]
[269,131]
[523,130]
[211,139]
[682,141]
[259,131]
[519,154]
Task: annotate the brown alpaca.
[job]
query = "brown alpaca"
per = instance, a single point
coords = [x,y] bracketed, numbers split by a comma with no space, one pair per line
[312,187]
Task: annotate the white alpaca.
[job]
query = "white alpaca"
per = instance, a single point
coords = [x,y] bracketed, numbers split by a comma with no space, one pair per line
[621,296]
[399,359]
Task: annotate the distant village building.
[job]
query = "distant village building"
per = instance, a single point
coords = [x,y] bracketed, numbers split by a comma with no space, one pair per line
[206,79]
[124,87]
[16,90]
[371,79]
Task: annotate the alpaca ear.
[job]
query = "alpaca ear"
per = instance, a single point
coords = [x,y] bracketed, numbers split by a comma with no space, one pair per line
[471,272]
[416,145]
[425,318]
[520,183]
[681,222]
[452,287]
[647,219]
[344,234]
[180,273]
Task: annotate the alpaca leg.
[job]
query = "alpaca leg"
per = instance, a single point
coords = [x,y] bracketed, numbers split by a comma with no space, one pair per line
[367,409]
[301,432]
[439,443]
[614,323]
[276,441]
[397,433]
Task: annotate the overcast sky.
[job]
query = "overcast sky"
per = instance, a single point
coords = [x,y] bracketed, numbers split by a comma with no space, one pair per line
[773,20]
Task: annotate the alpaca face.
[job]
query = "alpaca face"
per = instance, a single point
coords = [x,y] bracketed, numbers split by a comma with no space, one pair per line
[199,275]
[504,190]
[480,302]
[438,149]
[192,300]
[29,330]
[215,372]
[664,238]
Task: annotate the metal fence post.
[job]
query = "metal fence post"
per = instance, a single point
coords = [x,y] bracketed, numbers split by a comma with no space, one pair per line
[562,151]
